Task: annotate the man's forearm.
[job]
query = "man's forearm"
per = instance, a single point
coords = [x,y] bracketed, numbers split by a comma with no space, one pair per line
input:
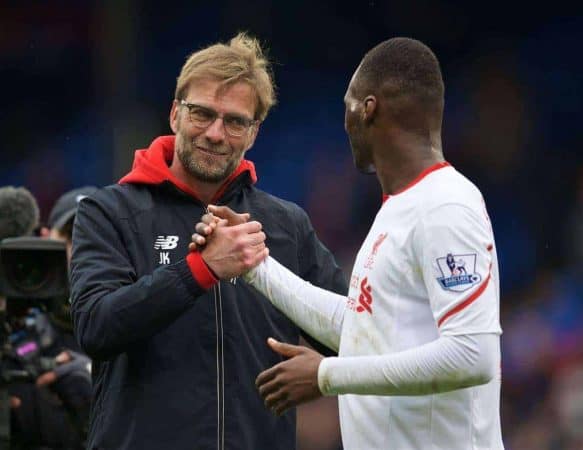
[318,312]
[446,364]
[107,323]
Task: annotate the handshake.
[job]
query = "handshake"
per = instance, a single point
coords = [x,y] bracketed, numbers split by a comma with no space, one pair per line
[229,244]
[232,246]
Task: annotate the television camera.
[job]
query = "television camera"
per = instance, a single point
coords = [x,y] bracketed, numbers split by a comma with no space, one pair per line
[33,278]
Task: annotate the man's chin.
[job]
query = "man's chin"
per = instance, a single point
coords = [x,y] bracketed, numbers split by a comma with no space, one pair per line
[208,175]
[366,168]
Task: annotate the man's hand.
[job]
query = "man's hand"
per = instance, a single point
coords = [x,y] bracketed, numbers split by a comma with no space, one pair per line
[234,250]
[67,362]
[290,382]
[222,215]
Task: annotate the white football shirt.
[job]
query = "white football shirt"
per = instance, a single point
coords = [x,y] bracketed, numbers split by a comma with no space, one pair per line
[427,268]
[422,316]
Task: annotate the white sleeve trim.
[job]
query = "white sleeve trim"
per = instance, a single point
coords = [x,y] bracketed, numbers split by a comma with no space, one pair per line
[446,364]
[318,312]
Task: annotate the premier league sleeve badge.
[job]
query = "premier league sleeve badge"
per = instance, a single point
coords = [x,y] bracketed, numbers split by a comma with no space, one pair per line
[458,272]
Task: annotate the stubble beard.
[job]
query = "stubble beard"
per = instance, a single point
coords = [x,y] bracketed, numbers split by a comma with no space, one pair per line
[202,167]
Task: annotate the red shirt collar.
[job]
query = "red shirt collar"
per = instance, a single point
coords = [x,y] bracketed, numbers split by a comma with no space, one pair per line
[418,178]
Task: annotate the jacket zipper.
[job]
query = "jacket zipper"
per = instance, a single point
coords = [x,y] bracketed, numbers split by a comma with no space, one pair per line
[220,364]
[220,369]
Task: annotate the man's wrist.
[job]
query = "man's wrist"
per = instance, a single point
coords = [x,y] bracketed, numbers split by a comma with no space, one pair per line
[251,274]
[324,379]
[201,272]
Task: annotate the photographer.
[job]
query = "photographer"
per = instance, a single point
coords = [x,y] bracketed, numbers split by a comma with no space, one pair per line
[49,400]
[71,378]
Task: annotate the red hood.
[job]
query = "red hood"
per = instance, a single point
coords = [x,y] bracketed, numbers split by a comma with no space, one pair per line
[151,166]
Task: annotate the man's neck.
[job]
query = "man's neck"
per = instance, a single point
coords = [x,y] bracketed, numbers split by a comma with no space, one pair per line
[206,191]
[407,157]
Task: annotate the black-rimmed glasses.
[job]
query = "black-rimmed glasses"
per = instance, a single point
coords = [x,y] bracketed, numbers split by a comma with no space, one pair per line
[202,117]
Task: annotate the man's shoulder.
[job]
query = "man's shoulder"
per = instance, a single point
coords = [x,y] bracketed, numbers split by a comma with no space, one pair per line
[272,204]
[449,187]
[121,199]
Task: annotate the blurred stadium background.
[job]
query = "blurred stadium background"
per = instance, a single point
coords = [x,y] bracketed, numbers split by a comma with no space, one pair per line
[84,83]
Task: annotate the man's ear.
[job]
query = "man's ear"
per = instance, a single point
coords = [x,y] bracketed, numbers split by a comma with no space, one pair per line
[174,116]
[370,108]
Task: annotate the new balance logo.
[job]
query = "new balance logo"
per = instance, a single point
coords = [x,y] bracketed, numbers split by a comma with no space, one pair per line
[166,242]
[365,297]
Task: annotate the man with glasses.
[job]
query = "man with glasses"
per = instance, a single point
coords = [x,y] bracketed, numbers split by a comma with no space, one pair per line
[175,352]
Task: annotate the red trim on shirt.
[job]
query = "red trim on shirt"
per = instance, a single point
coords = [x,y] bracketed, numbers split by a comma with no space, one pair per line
[200,271]
[418,178]
[468,301]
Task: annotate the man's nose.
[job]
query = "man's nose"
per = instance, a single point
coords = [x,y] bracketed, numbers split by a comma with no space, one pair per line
[216,131]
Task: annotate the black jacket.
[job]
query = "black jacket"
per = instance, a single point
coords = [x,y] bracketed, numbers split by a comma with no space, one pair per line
[174,364]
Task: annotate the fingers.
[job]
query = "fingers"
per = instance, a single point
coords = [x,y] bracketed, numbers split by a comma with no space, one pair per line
[268,389]
[208,223]
[46,378]
[247,227]
[258,258]
[224,212]
[284,349]
[278,402]
[255,239]
[282,406]
[209,219]
[204,229]
[198,239]
[266,376]
[272,389]
[63,357]
[232,250]
[253,256]
[15,402]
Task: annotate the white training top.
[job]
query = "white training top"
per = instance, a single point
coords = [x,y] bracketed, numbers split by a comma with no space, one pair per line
[421,319]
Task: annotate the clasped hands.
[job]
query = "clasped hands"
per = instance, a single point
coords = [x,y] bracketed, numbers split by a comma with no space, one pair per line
[231,245]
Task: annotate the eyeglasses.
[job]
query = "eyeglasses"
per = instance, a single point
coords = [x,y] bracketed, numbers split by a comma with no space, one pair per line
[202,117]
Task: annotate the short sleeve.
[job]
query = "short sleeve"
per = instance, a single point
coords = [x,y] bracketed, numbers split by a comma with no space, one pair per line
[454,246]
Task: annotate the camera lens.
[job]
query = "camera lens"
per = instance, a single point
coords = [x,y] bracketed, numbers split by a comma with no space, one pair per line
[33,268]
[31,272]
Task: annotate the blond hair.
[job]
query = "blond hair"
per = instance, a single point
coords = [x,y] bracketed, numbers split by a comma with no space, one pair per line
[241,60]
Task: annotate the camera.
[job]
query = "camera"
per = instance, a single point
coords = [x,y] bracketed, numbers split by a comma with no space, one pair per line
[33,280]
[33,270]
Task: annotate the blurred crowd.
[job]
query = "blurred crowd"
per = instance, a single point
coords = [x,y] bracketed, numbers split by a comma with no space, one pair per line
[87,85]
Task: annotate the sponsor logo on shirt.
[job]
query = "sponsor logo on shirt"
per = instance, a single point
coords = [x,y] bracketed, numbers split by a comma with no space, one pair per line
[364,302]
[375,248]
[458,272]
[365,297]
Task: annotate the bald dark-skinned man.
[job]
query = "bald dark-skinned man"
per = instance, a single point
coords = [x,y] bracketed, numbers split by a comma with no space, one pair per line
[418,341]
